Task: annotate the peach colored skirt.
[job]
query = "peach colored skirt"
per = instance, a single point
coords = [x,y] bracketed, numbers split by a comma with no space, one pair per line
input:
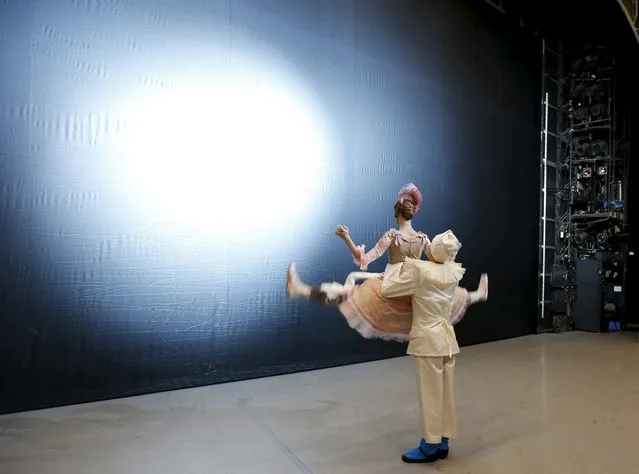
[376,317]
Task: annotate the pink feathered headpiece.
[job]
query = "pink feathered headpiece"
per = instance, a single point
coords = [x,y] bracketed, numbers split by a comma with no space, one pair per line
[410,192]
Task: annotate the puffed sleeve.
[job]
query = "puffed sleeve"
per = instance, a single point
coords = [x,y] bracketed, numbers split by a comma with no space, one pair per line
[425,242]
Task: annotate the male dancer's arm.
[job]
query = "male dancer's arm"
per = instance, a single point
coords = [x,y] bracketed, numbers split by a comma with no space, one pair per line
[404,284]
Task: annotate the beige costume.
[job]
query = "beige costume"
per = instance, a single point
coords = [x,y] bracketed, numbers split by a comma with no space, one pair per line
[366,310]
[432,338]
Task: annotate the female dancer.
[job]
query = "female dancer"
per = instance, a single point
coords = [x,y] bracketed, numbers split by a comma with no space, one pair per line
[363,306]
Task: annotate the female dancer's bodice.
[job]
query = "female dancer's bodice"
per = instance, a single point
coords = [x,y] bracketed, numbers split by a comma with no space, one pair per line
[398,247]
[402,247]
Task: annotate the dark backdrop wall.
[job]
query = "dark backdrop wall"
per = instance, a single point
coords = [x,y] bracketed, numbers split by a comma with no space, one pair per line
[163,162]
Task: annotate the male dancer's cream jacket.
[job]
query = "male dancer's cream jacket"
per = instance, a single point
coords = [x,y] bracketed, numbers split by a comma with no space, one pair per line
[432,337]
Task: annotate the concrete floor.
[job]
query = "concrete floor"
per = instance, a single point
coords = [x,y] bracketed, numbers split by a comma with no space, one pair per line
[540,404]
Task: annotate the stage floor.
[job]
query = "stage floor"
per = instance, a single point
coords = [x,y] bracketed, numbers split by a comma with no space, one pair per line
[540,404]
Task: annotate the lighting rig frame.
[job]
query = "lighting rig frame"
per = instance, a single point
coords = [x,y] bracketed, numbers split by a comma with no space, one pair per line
[631,11]
[561,226]
[583,149]
[554,186]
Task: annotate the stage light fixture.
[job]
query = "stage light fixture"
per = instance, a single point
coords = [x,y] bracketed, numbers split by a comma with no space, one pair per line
[581,238]
[602,238]
[580,113]
[581,148]
[579,93]
[593,58]
[598,110]
[596,92]
[598,148]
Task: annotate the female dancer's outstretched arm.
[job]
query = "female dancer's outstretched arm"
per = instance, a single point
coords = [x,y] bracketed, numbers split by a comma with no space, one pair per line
[364,259]
[343,233]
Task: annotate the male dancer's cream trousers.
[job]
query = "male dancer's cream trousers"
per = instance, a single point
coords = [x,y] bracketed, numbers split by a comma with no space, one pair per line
[436,397]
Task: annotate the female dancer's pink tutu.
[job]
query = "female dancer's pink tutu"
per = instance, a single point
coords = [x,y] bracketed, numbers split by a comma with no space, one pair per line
[391,319]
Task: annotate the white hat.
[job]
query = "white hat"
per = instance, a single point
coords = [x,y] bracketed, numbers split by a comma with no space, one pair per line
[444,247]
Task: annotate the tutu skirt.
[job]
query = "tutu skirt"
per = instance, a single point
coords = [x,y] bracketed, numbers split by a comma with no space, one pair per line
[391,319]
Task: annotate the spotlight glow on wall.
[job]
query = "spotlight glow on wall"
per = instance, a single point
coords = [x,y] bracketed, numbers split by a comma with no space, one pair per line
[223,152]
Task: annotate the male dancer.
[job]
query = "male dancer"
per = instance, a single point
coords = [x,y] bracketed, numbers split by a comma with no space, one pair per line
[433,343]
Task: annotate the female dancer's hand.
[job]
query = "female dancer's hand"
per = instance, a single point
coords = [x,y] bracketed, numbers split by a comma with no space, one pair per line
[342,231]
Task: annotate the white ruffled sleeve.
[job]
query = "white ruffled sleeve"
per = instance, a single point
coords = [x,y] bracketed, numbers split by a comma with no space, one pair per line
[380,249]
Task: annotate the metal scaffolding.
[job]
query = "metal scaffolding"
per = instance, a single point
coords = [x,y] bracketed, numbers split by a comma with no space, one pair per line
[583,162]
[631,10]
[553,209]
[583,154]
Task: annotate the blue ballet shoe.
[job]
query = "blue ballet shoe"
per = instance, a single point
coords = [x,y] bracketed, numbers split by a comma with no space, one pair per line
[442,451]
[424,453]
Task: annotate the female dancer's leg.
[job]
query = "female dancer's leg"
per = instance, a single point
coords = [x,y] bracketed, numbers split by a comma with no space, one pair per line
[333,294]
[329,294]
[368,312]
